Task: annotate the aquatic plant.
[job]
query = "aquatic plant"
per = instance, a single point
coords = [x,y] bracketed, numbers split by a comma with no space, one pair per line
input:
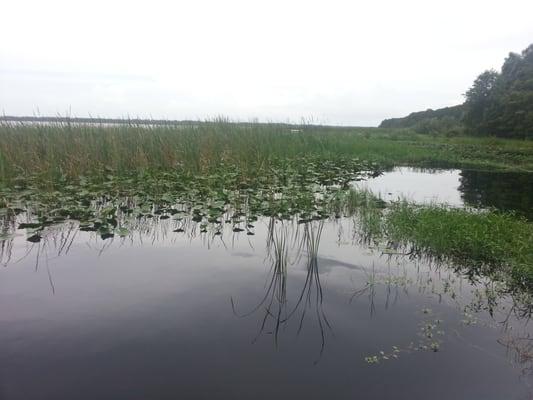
[55,151]
[215,173]
[477,242]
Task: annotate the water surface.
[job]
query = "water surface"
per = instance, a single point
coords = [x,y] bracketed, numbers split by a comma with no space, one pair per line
[294,311]
[505,191]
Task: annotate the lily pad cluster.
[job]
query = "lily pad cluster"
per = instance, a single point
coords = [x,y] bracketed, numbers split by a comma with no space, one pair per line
[306,187]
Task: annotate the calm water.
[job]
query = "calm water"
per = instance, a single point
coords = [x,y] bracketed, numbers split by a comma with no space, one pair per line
[296,310]
[290,312]
[507,191]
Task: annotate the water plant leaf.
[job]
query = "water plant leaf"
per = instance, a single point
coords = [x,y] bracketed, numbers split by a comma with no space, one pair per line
[35,238]
[31,225]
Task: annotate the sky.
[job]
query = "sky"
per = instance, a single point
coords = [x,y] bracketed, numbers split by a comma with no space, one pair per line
[329,62]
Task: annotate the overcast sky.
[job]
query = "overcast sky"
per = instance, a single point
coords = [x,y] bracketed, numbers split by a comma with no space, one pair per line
[335,62]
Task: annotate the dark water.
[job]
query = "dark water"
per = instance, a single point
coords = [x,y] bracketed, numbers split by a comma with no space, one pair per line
[291,312]
[505,191]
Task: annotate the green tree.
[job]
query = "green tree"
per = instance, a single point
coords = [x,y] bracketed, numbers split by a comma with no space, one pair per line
[502,104]
[499,104]
[511,113]
[478,101]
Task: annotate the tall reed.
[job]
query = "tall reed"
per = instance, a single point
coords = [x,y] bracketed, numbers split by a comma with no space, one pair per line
[68,150]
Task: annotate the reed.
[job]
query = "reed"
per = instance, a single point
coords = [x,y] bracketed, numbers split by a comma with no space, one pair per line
[487,242]
[59,150]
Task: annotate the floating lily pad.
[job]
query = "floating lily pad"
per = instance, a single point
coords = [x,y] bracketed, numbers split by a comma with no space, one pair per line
[34,238]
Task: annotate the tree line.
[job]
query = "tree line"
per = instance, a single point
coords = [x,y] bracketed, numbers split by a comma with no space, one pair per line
[497,104]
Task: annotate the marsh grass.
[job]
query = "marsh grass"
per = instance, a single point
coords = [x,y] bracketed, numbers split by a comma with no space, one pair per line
[57,151]
[483,242]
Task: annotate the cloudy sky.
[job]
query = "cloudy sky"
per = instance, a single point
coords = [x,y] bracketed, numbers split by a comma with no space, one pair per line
[335,62]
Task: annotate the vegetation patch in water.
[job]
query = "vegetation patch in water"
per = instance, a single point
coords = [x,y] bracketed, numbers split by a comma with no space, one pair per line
[306,187]
[488,242]
[216,173]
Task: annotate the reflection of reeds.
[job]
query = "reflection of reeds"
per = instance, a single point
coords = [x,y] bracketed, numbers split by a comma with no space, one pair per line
[7,227]
[282,238]
[6,251]
[311,295]
[520,349]
[290,243]
[274,302]
[370,288]
[276,297]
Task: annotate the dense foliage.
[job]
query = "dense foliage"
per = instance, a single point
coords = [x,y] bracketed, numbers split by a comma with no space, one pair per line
[501,104]
[497,104]
[444,120]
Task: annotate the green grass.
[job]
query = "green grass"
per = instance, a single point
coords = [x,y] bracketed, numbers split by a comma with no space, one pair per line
[489,243]
[57,151]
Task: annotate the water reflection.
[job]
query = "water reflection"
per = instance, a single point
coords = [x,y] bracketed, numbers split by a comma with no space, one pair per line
[417,185]
[345,299]
[505,191]
[508,191]
[287,243]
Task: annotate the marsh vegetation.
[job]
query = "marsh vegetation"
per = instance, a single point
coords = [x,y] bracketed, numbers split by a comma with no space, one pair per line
[267,230]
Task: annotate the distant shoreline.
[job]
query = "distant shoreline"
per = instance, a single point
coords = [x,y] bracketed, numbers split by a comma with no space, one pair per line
[162,122]
[89,120]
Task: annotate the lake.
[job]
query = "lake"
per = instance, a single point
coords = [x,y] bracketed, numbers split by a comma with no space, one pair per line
[502,190]
[309,310]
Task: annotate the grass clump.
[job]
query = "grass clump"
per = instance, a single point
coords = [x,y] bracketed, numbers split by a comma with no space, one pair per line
[479,242]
